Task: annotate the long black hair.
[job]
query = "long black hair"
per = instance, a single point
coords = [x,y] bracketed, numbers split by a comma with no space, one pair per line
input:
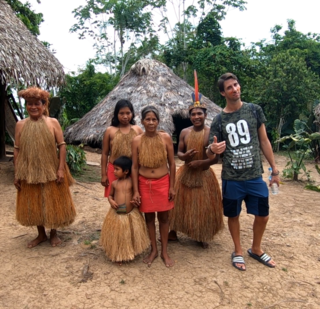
[120,104]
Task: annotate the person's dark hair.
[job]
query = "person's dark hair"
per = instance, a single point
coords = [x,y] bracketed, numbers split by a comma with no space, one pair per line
[124,163]
[224,78]
[120,104]
[204,110]
[149,109]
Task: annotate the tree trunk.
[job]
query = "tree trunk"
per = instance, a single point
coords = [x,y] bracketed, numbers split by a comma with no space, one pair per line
[2,122]
[279,130]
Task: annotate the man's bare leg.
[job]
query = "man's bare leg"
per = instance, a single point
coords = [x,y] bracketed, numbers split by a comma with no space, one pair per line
[150,221]
[54,239]
[259,226]
[163,218]
[42,236]
[234,228]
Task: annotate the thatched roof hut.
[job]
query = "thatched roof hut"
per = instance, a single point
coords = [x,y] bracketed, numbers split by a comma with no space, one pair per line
[149,82]
[23,60]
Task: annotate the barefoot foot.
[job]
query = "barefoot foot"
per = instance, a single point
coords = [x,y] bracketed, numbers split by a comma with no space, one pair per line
[54,239]
[37,241]
[167,261]
[150,258]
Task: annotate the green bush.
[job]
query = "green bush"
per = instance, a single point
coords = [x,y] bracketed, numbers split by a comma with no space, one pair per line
[76,158]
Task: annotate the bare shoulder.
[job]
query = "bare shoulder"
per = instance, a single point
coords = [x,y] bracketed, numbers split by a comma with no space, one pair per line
[19,125]
[187,130]
[137,129]
[114,183]
[111,129]
[21,122]
[137,139]
[165,137]
[53,121]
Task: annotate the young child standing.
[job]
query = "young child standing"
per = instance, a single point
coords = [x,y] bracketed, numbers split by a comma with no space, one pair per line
[124,233]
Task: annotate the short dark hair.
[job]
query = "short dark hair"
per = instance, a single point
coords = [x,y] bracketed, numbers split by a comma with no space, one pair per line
[224,78]
[148,109]
[124,163]
[121,104]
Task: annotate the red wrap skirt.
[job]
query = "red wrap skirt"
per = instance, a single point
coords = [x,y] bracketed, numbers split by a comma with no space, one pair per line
[111,178]
[155,194]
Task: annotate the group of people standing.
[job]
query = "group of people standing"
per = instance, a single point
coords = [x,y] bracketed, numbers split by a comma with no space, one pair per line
[139,174]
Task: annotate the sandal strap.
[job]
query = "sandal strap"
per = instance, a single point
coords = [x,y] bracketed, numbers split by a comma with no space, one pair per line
[265,257]
[238,259]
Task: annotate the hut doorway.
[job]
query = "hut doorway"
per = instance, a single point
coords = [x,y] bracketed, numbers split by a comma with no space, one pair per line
[179,124]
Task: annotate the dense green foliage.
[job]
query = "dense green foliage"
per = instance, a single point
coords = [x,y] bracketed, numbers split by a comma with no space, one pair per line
[31,19]
[76,158]
[281,75]
[83,91]
[298,146]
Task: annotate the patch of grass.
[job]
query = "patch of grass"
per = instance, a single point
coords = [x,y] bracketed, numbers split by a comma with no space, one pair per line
[284,269]
[122,281]
[89,174]
[226,283]
[87,242]
[249,304]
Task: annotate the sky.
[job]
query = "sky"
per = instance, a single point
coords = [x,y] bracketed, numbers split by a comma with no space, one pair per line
[251,25]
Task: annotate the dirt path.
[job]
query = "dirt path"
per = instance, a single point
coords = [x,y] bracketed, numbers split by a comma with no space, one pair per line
[76,276]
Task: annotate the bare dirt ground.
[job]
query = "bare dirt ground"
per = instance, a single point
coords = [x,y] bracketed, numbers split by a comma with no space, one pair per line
[77,274]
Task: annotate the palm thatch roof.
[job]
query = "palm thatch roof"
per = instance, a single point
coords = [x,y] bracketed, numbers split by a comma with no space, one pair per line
[149,82]
[23,58]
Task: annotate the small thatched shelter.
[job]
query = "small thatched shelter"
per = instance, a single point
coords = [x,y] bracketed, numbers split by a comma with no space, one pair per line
[23,60]
[149,82]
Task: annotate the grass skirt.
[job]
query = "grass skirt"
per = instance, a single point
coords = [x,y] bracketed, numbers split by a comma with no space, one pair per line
[124,236]
[48,204]
[197,211]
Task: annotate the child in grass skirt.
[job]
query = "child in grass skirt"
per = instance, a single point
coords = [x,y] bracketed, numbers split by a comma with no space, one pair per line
[124,233]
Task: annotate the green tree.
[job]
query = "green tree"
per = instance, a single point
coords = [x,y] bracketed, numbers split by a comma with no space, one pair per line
[115,21]
[31,19]
[82,92]
[285,89]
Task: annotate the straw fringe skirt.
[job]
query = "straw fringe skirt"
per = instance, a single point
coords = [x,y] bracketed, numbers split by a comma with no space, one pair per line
[197,211]
[124,236]
[48,204]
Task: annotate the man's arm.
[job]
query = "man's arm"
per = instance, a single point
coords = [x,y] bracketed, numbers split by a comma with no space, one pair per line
[266,148]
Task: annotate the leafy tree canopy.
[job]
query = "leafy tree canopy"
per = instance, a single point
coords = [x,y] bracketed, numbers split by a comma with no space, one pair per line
[84,91]
[31,19]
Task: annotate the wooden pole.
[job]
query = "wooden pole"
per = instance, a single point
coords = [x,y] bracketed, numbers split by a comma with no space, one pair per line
[2,122]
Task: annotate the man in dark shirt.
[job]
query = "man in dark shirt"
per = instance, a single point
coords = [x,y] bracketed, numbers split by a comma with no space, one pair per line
[243,134]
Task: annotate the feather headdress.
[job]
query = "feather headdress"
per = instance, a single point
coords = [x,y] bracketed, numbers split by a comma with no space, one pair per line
[196,95]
